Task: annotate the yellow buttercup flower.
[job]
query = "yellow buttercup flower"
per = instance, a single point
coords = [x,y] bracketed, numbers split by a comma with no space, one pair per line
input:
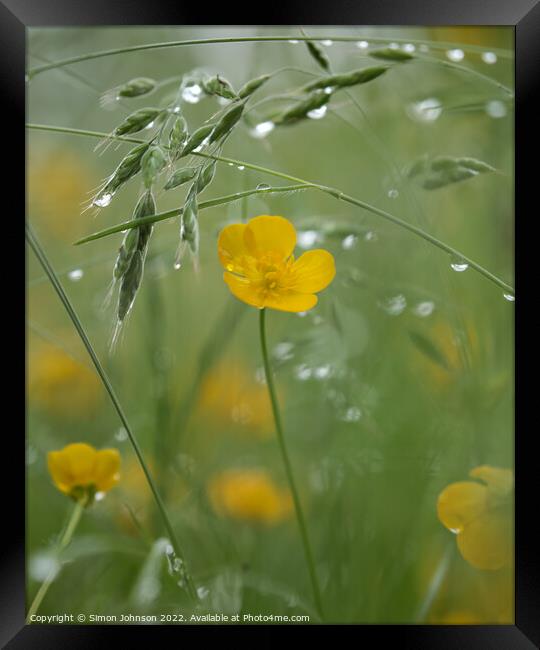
[260,268]
[249,495]
[80,471]
[480,515]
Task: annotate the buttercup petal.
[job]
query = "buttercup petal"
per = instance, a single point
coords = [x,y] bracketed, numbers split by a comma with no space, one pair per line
[313,271]
[106,470]
[291,301]
[81,459]
[231,246]
[59,469]
[243,290]
[460,503]
[498,479]
[486,542]
[265,234]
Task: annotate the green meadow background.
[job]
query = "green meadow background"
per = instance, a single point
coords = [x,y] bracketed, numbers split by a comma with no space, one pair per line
[397,384]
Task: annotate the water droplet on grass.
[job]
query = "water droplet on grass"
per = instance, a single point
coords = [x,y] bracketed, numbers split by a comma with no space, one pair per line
[327,42]
[395,305]
[240,168]
[103,200]
[75,275]
[307,238]
[393,194]
[121,435]
[352,414]
[362,45]
[192,94]
[302,372]
[510,297]
[409,48]
[425,110]
[349,242]
[424,309]
[459,265]
[263,129]
[489,57]
[455,54]
[496,109]
[317,113]
[263,186]
[292,41]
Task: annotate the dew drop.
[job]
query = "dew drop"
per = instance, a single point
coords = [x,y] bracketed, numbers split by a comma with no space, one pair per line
[302,372]
[75,275]
[426,110]
[121,435]
[307,238]
[317,113]
[192,94]
[104,200]
[202,592]
[395,305]
[327,42]
[240,168]
[459,265]
[393,194]
[149,126]
[352,414]
[455,54]
[323,372]
[329,90]
[283,351]
[43,565]
[177,266]
[230,164]
[496,109]
[349,242]
[409,47]
[424,309]
[393,46]
[489,57]
[510,297]
[263,129]
[363,45]
[370,236]
[263,186]
[292,41]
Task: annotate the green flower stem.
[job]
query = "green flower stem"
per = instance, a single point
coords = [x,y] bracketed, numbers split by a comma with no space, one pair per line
[62,544]
[338,194]
[288,468]
[42,258]
[32,72]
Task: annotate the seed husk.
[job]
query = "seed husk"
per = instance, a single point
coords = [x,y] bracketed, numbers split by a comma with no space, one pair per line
[251,86]
[300,110]
[137,121]
[131,281]
[318,54]
[346,79]
[391,54]
[227,122]
[152,162]
[206,176]
[197,138]
[180,177]
[218,86]
[137,87]
[178,135]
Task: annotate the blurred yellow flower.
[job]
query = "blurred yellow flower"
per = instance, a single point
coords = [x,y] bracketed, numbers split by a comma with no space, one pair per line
[480,515]
[260,268]
[80,471]
[61,385]
[230,395]
[447,362]
[58,185]
[249,495]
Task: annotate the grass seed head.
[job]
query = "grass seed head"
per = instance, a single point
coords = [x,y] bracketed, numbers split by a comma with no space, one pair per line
[206,175]
[344,80]
[180,177]
[251,86]
[137,87]
[218,86]
[178,135]
[137,121]
[227,122]
[390,54]
[152,162]
[131,281]
[197,138]
[318,54]
[300,110]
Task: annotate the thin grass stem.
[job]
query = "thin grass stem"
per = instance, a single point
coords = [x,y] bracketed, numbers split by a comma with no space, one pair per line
[288,467]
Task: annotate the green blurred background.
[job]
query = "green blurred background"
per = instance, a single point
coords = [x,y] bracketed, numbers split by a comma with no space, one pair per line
[377,422]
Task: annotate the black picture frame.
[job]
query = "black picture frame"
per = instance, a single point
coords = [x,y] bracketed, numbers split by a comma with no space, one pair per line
[524,16]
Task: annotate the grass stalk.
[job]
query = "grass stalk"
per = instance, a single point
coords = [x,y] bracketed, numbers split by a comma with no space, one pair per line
[288,467]
[336,193]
